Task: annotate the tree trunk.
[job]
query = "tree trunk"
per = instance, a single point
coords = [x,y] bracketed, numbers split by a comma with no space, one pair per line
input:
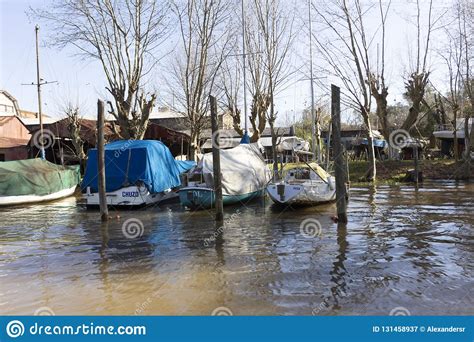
[271,122]
[455,140]
[371,171]
[193,146]
[382,115]
[412,117]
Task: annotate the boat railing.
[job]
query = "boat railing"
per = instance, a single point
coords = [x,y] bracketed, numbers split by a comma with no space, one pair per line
[445,127]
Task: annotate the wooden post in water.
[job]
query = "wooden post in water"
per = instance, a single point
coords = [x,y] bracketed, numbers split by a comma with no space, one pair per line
[216,160]
[104,212]
[339,167]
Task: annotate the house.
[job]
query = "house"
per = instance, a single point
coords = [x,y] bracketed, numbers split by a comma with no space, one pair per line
[445,134]
[173,129]
[14,133]
[289,147]
[9,107]
[8,104]
[354,139]
[14,137]
[61,150]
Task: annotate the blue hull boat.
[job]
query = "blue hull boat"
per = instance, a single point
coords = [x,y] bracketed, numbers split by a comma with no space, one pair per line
[204,198]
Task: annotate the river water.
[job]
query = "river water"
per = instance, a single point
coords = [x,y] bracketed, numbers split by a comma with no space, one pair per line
[404,251]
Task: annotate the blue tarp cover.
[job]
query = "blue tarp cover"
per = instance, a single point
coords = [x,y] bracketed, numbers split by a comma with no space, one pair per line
[129,162]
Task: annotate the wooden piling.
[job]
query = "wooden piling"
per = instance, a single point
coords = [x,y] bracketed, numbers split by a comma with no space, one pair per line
[339,167]
[216,160]
[104,212]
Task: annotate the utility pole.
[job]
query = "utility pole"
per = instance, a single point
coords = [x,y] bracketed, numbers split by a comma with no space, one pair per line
[314,120]
[38,84]
[245,138]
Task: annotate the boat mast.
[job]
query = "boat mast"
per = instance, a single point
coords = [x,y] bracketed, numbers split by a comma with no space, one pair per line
[245,138]
[313,117]
[38,85]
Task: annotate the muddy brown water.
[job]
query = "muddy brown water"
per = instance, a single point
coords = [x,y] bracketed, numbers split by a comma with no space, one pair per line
[404,249]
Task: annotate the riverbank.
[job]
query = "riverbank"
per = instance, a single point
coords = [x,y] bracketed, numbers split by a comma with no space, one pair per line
[393,171]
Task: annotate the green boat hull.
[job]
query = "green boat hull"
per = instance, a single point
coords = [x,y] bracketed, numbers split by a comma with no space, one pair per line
[204,198]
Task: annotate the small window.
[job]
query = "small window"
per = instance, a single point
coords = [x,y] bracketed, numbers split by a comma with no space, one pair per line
[2,157]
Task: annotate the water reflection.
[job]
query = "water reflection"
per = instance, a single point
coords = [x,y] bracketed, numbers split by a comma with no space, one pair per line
[401,247]
[338,272]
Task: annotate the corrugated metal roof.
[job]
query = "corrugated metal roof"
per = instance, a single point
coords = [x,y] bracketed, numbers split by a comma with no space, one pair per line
[35,121]
[228,142]
[12,142]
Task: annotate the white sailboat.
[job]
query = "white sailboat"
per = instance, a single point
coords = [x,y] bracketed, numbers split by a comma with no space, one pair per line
[303,184]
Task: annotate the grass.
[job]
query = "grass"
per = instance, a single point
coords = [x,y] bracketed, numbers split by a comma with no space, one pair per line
[394,171]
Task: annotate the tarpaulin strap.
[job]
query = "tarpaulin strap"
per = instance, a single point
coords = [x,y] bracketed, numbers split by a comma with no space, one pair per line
[128,166]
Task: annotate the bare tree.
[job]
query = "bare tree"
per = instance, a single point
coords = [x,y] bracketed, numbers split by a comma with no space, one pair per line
[123,36]
[74,127]
[269,65]
[257,82]
[465,16]
[378,87]
[230,82]
[205,43]
[346,50]
[417,80]
[452,55]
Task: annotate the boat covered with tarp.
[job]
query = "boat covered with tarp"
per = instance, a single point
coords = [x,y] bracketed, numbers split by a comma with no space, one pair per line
[36,180]
[137,172]
[244,177]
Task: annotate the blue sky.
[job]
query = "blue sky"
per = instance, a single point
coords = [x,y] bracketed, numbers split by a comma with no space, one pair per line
[83,81]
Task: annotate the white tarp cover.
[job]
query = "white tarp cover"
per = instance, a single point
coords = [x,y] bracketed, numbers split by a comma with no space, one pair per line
[243,169]
[292,144]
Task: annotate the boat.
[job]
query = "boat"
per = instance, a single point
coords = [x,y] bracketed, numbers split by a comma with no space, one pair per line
[303,184]
[137,173]
[244,177]
[36,180]
[445,133]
